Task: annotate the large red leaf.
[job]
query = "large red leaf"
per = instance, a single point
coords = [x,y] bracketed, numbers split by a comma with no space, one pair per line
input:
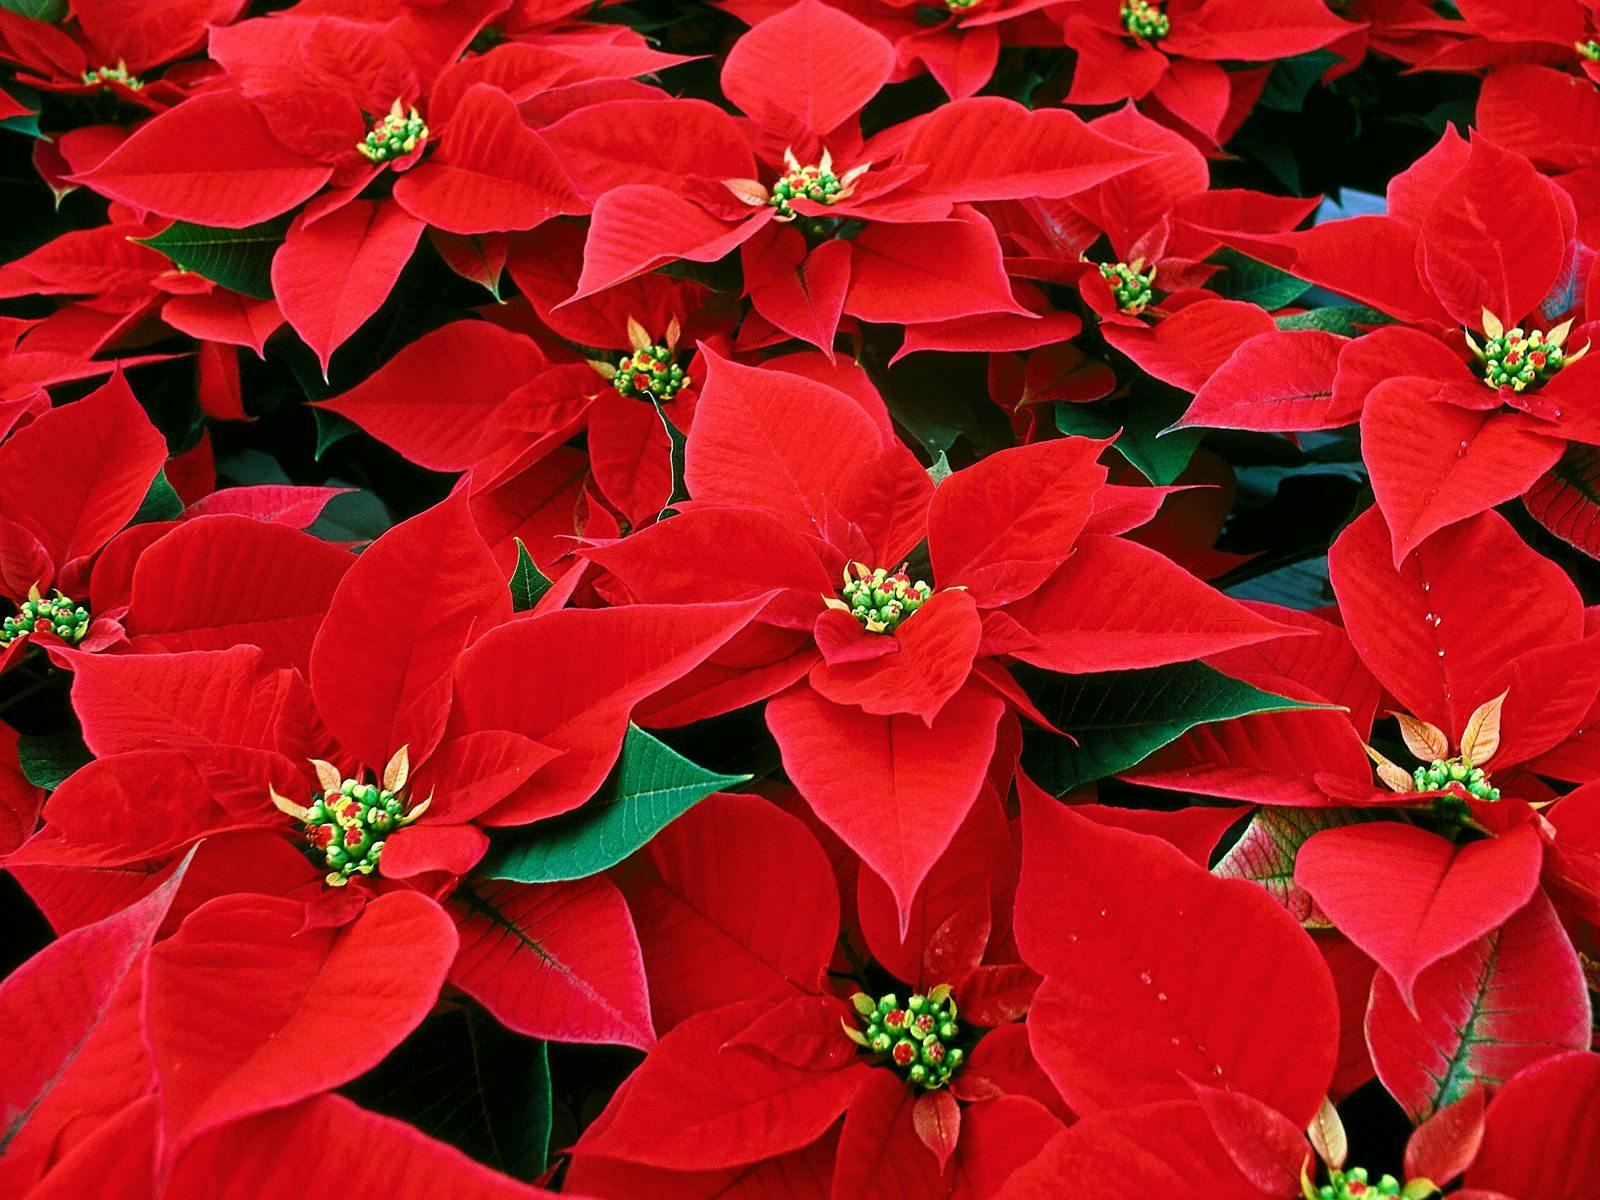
[742,905]
[381,665]
[1563,499]
[1438,632]
[895,789]
[931,271]
[637,227]
[489,172]
[774,440]
[1552,1106]
[559,961]
[1193,343]
[569,679]
[77,474]
[247,1010]
[799,290]
[331,275]
[442,400]
[1434,463]
[211,160]
[880,1153]
[1435,899]
[830,64]
[1156,973]
[222,581]
[698,1103]
[1275,382]
[804,1174]
[1499,1004]
[991,148]
[1001,527]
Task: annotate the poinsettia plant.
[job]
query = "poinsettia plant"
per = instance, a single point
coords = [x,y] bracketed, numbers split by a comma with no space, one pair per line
[800,599]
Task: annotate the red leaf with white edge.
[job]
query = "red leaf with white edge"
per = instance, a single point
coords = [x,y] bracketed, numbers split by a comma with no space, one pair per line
[697,1104]
[1434,463]
[441,401]
[211,160]
[1553,1104]
[217,582]
[77,474]
[55,1002]
[1439,632]
[931,271]
[1436,898]
[1444,1145]
[1117,605]
[569,680]
[1265,854]
[383,659]
[800,291]
[881,1152]
[240,1002]
[830,63]
[774,440]
[1275,382]
[331,275]
[1143,989]
[1492,238]
[893,788]
[1193,343]
[1165,1149]
[558,961]
[488,173]
[991,148]
[1267,1147]
[1499,1004]
[742,905]
[1002,526]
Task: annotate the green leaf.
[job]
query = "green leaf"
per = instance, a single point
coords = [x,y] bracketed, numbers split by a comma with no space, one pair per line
[332,428]
[160,503]
[1292,80]
[238,259]
[680,446]
[39,10]
[462,1078]
[1121,717]
[528,583]
[48,758]
[1244,278]
[1265,854]
[1346,319]
[1159,457]
[651,786]
[358,516]
[27,123]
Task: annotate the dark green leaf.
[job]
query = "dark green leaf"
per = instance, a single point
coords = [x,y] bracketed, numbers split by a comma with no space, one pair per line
[680,445]
[1159,457]
[528,583]
[48,758]
[1121,717]
[1244,278]
[1293,78]
[463,1079]
[651,786]
[39,10]
[160,503]
[358,516]
[1346,319]
[238,259]
[332,428]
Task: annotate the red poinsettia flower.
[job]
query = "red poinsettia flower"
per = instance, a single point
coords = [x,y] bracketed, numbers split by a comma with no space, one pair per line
[699,193]
[410,753]
[1173,54]
[1476,390]
[801,489]
[1562,33]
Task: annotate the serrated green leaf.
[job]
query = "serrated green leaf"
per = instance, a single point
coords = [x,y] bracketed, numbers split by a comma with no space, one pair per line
[39,10]
[528,583]
[160,503]
[1265,854]
[651,786]
[1119,718]
[1349,320]
[238,259]
[1244,278]
[48,758]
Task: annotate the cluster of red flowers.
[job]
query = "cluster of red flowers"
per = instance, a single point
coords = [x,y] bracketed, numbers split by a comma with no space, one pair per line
[880,556]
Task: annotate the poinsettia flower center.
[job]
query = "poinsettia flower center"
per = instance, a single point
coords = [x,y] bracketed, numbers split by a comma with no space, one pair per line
[879,599]
[1143,19]
[650,369]
[917,1040]
[1354,1184]
[395,135]
[1589,49]
[1442,772]
[815,182]
[1130,284]
[55,614]
[348,821]
[116,74]
[1518,359]
[958,6]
